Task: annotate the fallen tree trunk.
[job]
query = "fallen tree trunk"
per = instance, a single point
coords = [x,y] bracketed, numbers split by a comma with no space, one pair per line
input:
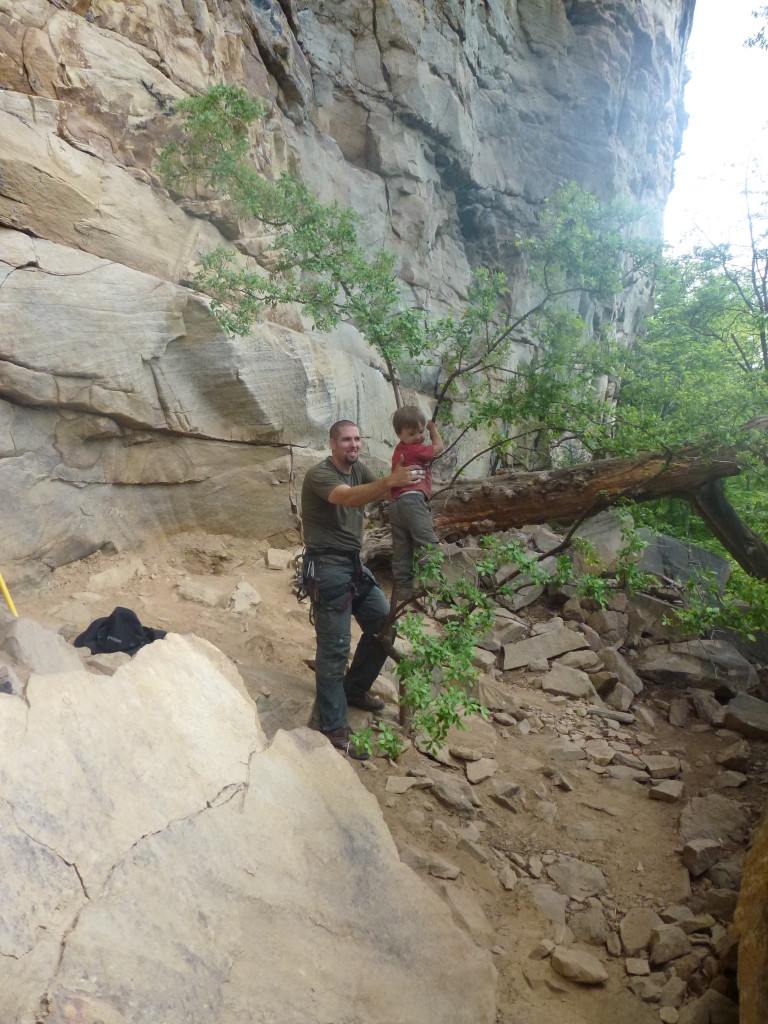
[566,495]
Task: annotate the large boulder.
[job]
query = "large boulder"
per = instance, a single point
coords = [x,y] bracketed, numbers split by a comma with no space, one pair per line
[161,863]
[124,411]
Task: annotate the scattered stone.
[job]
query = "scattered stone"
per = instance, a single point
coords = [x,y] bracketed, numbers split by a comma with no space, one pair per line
[629,760]
[590,926]
[735,757]
[402,783]
[615,662]
[726,874]
[276,559]
[668,791]
[748,716]
[613,944]
[707,708]
[576,878]
[503,718]
[551,904]
[668,1015]
[661,766]
[568,682]
[201,592]
[711,1008]
[600,752]
[721,903]
[729,780]
[535,866]
[611,626]
[619,698]
[673,993]
[678,712]
[637,966]
[635,930]
[507,793]
[586,660]
[483,659]
[440,868]
[565,750]
[578,966]
[648,988]
[702,664]
[450,793]
[545,645]
[508,877]
[572,610]
[645,717]
[542,949]
[474,849]
[621,771]
[479,771]
[668,941]
[711,817]
[244,598]
[464,753]
[701,854]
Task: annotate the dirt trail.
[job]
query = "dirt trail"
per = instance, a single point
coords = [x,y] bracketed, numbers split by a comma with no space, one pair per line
[602,821]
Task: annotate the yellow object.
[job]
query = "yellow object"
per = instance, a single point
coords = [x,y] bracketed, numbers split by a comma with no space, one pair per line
[7,596]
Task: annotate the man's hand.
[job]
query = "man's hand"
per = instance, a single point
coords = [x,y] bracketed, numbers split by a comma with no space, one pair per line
[361,494]
[405,476]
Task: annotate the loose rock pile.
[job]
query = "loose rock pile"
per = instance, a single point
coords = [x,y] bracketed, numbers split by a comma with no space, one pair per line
[596,686]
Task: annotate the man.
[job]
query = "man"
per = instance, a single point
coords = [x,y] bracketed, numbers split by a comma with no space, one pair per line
[333,498]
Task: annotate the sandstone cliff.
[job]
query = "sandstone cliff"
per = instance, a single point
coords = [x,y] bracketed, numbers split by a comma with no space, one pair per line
[123,408]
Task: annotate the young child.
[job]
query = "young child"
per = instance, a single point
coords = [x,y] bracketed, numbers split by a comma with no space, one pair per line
[409,514]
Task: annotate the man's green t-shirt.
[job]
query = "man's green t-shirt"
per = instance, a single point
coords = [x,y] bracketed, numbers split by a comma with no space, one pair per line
[328,526]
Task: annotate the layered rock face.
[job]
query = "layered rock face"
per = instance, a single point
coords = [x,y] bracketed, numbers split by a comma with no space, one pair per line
[124,410]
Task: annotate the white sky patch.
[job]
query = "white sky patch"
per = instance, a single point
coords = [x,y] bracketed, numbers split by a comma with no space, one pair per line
[726,141]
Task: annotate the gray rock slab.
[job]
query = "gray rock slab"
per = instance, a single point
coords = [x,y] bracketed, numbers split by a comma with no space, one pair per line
[748,716]
[545,645]
[700,854]
[668,791]
[711,817]
[577,878]
[735,757]
[614,662]
[702,664]
[578,966]
[561,680]
[635,930]
[668,942]
[661,766]
[670,557]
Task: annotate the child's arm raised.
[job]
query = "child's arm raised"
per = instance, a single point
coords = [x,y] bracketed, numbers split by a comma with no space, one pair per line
[434,436]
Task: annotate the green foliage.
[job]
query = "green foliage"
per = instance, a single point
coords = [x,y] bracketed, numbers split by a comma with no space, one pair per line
[315,256]
[436,674]
[743,607]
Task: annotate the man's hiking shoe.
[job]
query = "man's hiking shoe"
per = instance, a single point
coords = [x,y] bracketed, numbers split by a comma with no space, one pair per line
[340,738]
[367,702]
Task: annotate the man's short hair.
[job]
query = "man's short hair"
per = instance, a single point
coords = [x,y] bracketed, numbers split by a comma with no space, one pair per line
[408,416]
[338,426]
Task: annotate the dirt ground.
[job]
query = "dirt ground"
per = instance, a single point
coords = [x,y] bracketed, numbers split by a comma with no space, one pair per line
[603,821]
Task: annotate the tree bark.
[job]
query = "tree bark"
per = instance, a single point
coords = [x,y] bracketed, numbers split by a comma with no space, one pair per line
[565,495]
[741,543]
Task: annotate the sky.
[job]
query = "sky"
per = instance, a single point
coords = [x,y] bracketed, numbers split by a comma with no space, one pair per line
[727,131]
